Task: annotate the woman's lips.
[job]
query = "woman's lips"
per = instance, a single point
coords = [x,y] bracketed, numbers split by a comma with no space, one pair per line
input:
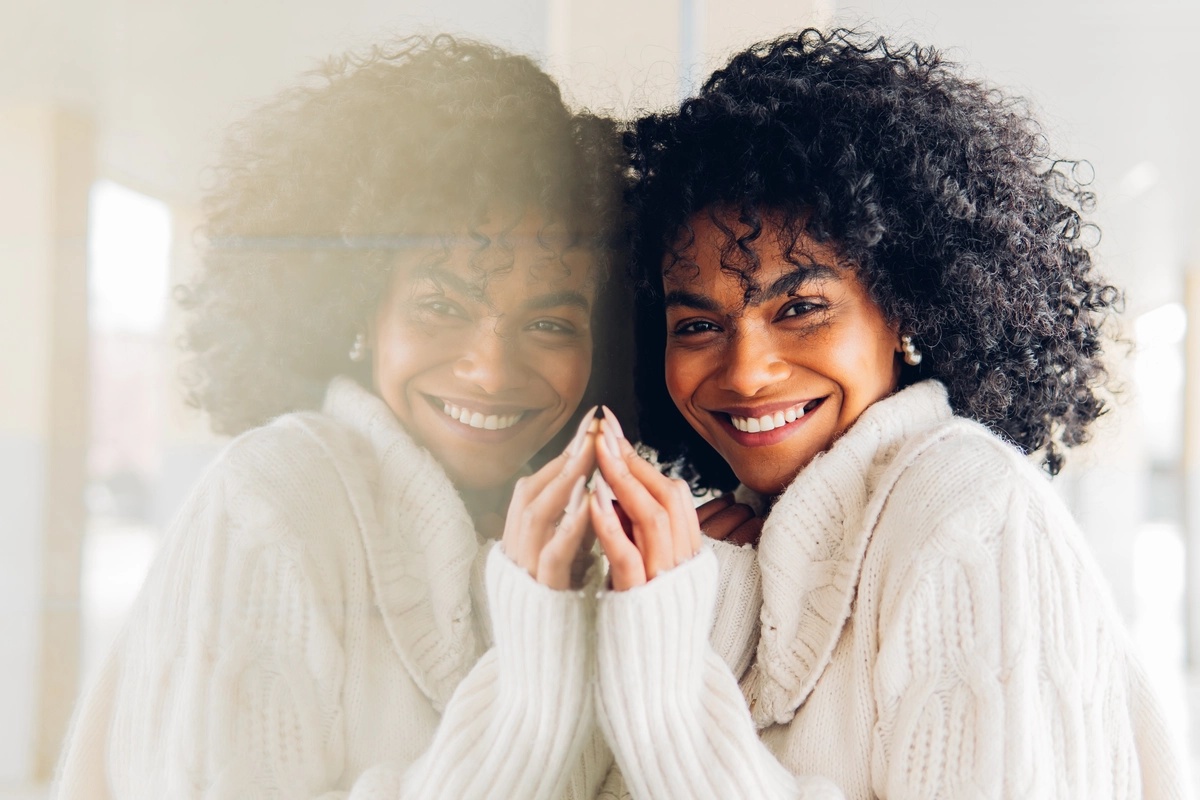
[763,427]
[479,420]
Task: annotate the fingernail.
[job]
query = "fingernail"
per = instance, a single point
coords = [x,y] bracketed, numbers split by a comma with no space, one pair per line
[610,419]
[611,442]
[582,431]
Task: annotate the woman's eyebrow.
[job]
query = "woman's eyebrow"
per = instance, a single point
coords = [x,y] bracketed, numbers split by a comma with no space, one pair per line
[443,277]
[541,302]
[789,283]
[780,287]
[682,297]
[566,297]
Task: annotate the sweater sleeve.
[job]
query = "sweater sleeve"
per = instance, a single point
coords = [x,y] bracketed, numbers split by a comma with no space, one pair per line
[230,674]
[734,633]
[669,705]
[520,720]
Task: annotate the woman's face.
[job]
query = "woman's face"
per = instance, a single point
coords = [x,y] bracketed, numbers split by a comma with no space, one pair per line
[771,382]
[483,355]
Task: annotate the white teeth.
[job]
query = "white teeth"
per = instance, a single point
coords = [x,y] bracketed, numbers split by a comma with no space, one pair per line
[476,419]
[768,422]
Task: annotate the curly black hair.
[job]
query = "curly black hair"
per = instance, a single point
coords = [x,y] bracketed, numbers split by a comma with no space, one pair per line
[408,144]
[939,190]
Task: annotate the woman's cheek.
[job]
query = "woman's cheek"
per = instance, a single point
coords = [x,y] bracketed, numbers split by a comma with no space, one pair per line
[568,371]
[680,374]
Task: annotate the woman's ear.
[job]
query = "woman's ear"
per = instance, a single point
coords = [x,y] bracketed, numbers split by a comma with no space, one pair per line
[894,327]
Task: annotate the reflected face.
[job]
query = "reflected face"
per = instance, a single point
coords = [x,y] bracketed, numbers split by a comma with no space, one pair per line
[772,382]
[483,357]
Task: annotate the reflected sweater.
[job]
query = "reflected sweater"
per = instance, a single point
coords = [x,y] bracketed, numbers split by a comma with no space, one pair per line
[932,626]
[316,625]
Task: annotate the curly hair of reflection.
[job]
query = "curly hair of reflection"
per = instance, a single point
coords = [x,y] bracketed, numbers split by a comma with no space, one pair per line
[407,144]
[940,192]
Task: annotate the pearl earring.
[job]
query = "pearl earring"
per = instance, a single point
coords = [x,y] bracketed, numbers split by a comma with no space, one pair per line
[358,350]
[912,356]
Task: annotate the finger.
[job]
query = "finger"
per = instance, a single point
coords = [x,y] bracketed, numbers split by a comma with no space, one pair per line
[707,510]
[687,534]
[588,424]
[584,435]
[531,516]
[625,564]
[726,521]
[651,520]
[626,522]
[525,491]
[556,558]
[682,534]
[646,473]
[545,517]
[748,532]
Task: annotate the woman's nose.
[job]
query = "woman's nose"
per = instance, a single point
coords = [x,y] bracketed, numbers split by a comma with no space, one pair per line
[752,365]
[492,362]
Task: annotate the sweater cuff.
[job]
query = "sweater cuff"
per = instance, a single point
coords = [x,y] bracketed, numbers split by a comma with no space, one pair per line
[672,712]
[542,636]
[735,627]
[659,630]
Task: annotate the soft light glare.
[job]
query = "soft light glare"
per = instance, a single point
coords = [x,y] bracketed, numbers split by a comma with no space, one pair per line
[129,245]
[1164,325]
[1139,180]
[1159,376]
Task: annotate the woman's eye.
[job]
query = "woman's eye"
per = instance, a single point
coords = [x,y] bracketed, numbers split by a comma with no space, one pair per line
[800,308]
[694,327]
[442,308]
[549,326]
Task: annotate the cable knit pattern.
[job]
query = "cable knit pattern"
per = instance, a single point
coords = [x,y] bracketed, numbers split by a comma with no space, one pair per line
[819,530]
[933,626]
[308,619]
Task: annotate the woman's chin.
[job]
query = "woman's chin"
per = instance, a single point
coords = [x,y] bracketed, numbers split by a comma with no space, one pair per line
[765,485]
[480,477]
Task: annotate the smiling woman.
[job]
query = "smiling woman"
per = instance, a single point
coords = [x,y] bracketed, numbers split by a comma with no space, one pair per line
[405,257]
[769,371]
[484,363]
[866,298]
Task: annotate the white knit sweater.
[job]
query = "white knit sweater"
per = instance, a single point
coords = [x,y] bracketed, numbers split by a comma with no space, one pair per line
[310,629]
[932,626]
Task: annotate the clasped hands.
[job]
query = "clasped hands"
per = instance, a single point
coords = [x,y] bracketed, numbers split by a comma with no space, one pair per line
[645,521]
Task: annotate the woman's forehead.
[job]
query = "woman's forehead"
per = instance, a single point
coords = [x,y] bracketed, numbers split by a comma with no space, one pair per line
[504,271]
[723,252]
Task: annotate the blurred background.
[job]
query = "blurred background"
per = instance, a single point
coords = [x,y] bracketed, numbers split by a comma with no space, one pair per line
[110,111]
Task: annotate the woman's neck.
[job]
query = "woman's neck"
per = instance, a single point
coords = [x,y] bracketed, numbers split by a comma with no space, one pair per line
[488,508]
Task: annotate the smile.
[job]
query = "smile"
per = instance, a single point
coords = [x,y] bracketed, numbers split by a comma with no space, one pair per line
[779,419]
[478,419]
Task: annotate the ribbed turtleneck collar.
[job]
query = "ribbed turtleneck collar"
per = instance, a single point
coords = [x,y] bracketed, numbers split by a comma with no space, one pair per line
[420,547]
[812,547]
